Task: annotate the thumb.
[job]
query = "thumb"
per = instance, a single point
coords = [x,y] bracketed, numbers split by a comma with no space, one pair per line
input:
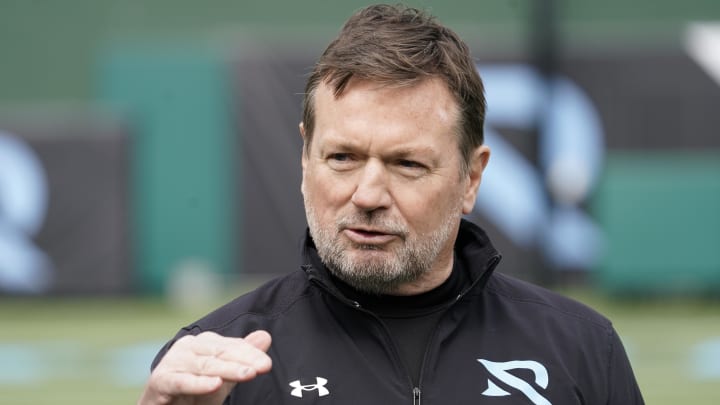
[260,339]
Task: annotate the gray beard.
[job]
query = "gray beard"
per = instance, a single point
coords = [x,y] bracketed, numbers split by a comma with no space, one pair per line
[378,275]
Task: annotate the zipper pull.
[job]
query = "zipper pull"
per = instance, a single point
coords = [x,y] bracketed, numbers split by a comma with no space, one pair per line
[416,396]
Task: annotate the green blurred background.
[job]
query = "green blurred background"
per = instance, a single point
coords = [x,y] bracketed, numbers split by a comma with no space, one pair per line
[50,49]
[122,73]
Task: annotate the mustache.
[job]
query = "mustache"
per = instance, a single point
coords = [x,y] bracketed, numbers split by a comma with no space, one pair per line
[374,222]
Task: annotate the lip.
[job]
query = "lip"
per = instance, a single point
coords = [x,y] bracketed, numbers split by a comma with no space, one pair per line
[368,236]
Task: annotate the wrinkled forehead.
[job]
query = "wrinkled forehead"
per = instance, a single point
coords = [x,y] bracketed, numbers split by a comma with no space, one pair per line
[420,98]
[385,118]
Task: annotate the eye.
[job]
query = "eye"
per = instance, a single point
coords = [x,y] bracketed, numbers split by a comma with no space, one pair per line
[411,168]
[339,157]
[410,164]
[341,161]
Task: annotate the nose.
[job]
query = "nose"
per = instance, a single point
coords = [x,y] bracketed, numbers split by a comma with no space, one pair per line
[371,192]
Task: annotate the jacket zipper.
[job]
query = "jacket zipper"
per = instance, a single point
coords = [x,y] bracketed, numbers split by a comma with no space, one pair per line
[416,392]
[392,344]
[482,279]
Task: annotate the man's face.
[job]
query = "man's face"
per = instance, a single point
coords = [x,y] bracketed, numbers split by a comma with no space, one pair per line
[382,184]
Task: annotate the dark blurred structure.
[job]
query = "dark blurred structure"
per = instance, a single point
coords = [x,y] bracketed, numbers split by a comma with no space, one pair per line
[80,197]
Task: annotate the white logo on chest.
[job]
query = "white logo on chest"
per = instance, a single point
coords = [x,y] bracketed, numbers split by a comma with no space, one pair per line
[319,386]
[500,371]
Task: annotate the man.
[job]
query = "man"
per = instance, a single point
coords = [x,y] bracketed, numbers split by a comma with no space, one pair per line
[396,301]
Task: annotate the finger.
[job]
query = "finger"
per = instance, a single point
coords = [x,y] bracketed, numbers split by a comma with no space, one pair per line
[212,344]
[187,384]
[234,349]
[238,360]
[227,370]
[260,339]
[196,354]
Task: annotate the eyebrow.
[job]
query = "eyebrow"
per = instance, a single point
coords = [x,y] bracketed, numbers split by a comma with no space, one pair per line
[410,151]
[400,152]
[395,152]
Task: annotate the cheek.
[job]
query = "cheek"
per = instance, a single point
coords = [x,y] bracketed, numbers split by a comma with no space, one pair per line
[325,192]
[417,206]
[425,209]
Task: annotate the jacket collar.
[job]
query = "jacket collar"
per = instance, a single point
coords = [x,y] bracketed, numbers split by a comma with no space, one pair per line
[472,247]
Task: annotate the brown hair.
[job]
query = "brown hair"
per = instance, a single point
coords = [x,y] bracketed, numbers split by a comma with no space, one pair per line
[398,46]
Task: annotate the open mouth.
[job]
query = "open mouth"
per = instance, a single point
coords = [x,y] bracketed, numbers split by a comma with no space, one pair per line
[369,233]
[368,236]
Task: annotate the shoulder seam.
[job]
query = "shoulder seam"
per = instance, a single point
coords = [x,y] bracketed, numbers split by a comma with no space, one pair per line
[604,324]
[271,315]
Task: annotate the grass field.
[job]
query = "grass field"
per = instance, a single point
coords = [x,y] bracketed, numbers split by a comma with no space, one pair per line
[97,351]
[674,346]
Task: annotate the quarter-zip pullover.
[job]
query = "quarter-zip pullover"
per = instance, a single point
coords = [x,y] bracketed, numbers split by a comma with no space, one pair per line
[499,341]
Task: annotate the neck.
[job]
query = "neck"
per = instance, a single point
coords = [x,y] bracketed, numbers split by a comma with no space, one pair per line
[395,305]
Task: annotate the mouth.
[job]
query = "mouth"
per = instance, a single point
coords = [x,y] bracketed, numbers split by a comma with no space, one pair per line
[369,236]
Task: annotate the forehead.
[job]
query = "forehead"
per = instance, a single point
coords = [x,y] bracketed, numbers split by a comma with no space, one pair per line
[367,106]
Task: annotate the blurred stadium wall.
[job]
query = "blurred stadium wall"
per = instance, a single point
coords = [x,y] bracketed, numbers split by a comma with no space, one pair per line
[143,139]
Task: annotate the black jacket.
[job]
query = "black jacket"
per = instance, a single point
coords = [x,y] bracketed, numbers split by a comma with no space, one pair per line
[502,341]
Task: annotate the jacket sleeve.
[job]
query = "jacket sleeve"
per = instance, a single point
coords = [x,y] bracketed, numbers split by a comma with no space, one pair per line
[623,388]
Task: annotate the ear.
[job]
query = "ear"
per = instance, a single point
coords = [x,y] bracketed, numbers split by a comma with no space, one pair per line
[301,127]
[478,162]
[303,156]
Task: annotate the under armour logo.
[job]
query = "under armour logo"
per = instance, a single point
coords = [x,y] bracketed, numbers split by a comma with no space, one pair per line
[319,386]
[500,371]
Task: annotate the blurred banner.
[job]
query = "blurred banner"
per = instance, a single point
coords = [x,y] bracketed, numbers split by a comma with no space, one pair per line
[202,176]
[598,106]
[269,87]
[63,204]
[179,105]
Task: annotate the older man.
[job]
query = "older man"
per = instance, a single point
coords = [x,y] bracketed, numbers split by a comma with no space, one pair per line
[396,300]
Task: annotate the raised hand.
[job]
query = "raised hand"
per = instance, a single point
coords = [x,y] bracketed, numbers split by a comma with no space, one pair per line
[203,369]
